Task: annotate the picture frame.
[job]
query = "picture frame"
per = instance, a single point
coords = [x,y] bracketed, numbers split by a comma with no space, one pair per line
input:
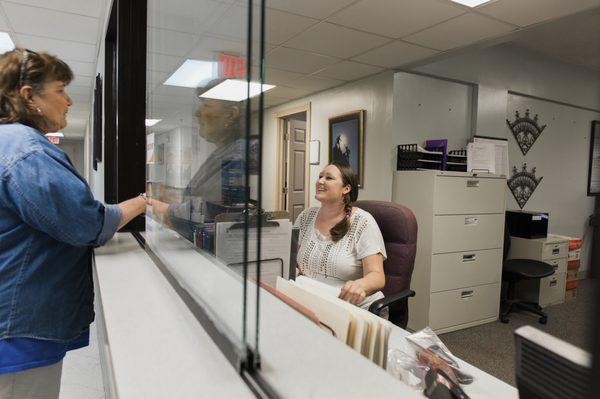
[346,140]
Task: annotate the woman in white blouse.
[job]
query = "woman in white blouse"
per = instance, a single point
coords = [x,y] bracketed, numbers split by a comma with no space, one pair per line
[341,245]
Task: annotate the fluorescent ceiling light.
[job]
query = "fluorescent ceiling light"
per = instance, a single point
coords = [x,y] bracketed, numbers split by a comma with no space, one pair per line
[6,43]
[57,134]
[235,90]
[471,3]
[193,73]
[152,122]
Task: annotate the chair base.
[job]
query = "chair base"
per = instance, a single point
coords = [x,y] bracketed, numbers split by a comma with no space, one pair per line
[512,305]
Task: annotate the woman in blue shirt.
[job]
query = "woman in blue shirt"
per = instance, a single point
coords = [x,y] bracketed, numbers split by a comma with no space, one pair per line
[49,225]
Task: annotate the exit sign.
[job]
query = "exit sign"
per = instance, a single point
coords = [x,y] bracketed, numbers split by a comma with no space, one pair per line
[231,66]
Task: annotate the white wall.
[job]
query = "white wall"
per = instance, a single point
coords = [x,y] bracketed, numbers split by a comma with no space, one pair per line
[75,150]
[430,108]
[373,94]
[560,155]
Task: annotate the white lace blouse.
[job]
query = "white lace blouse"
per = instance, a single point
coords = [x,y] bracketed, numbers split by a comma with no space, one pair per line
[334,263]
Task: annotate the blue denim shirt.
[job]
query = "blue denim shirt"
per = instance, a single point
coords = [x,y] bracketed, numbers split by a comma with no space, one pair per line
[49,225]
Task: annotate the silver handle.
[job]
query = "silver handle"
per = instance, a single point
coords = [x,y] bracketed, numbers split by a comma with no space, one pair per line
[553,283]
[555,251]
[472,183]
[469,257]
[466,294]
[471,221]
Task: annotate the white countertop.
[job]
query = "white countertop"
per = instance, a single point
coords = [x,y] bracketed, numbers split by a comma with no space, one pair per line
[157,348]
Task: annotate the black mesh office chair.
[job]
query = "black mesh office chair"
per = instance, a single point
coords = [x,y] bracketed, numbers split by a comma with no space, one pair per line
[515,270]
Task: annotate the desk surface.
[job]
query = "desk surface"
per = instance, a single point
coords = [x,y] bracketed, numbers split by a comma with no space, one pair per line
[142,314]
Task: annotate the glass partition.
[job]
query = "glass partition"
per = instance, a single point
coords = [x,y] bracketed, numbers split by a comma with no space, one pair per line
[203,158]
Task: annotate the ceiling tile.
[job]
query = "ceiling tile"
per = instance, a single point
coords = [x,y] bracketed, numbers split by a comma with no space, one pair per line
[61,48]
[170,42]
[85,81]
[395,18]
[91,8]
[280,26]
[278,77]
[81,68]
[311,8]
[314,83]
[326,38]
[52,24]
[529,12]
[395,54]
[297,60]
[163,62]
[186,16]
[79,90]
[348,70]
[271,101]
[288,92]
[208,48]
[460,31]
[4,24]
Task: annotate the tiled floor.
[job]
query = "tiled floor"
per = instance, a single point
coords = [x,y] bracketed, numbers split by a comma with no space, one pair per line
[81,375]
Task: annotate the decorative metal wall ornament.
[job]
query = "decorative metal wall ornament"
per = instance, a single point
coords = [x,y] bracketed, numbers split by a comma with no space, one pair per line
[525,130]
[522,184]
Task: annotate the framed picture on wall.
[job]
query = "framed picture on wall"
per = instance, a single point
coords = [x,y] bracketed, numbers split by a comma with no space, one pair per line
[594,164]
[346,141]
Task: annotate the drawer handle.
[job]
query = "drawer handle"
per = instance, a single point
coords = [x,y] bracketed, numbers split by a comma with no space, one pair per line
[553,283]
[469,258]
[471,221]
[555,251]
[473,183]
[466,294]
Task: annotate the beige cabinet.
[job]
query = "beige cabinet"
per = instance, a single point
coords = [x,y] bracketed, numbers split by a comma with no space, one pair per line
[553,250]
[458,267]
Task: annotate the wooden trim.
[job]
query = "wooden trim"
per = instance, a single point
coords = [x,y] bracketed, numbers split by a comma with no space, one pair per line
[280,115]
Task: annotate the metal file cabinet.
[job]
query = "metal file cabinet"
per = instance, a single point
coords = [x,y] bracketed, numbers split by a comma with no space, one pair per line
[554,250]
[458,267]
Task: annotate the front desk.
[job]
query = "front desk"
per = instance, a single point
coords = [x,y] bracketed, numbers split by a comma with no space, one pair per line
[152,346]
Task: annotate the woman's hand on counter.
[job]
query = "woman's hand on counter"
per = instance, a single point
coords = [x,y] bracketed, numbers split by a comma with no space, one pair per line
[132,208]
[353,292]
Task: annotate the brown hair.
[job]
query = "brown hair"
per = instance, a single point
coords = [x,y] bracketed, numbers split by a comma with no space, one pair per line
[348,178]
[21,67]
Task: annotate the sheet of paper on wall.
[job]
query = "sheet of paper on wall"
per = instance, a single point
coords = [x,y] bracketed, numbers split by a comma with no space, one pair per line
[500,152]
[274,250]
[481,157]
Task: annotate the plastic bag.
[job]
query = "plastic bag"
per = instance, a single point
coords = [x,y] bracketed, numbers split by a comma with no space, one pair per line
[432,352]
[406,368]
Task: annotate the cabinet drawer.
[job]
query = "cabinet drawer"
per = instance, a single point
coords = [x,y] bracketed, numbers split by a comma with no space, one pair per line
[465,269]
[465,305]
[560,265]
[458,195]
[467,232]
[555,250]
[546,291]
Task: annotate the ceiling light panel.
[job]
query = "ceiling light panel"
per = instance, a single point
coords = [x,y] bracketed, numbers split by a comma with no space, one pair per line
[152,122]
[471,3]
[6,43]
[193,73]
[235,90]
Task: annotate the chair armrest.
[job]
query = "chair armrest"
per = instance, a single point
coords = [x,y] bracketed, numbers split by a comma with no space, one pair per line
[379,304]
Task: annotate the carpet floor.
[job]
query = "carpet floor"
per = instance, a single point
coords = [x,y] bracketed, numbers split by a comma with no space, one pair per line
[491,347]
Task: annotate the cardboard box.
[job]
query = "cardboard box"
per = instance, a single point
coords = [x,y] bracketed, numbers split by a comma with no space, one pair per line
[572,284]
[572,275]
[570,294]
[573,265]
[574,244]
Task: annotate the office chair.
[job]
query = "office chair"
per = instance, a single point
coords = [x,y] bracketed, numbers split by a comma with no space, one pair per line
[398,227]
[515,270]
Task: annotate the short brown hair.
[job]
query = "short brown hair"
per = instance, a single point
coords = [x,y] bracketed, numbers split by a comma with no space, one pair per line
[348,178]
[21,67]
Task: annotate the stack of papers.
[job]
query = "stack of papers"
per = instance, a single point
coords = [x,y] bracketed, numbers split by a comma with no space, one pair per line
[359,329]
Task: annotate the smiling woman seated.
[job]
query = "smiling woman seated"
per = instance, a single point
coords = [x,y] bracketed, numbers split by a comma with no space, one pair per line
[341,245]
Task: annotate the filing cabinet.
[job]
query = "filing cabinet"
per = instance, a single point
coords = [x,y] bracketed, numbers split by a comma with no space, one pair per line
[554,250]
[458,267]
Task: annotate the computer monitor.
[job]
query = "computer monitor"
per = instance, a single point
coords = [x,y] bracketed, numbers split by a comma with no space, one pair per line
[550,368]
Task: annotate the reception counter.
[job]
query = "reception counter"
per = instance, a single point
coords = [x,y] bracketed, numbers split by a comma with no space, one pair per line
[152,346]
